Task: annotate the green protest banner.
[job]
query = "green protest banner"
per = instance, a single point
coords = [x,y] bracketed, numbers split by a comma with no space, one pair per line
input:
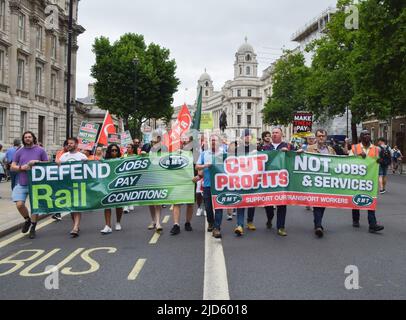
[87,135]
[91,185]
[287,178]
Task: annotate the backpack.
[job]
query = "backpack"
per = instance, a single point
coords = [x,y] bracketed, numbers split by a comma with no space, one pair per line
[385,156]
[396,155]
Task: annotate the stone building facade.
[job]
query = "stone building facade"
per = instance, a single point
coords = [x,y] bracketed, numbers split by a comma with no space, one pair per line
[33,69]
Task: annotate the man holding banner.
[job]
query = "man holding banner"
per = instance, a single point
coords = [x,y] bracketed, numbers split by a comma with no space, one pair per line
[73,154]
[365,149]
[320,147]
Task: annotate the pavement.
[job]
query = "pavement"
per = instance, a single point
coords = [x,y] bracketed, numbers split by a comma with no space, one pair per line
[139,264]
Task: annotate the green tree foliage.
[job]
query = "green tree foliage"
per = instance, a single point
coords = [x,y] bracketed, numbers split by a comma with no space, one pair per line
[288,80]
[115,72]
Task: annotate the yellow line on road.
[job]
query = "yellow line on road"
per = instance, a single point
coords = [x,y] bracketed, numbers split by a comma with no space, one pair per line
[166,219]
[136,270]
[22,235]
[155,238]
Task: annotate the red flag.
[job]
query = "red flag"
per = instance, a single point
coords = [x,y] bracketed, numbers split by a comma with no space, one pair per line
[108,127]
[182,125]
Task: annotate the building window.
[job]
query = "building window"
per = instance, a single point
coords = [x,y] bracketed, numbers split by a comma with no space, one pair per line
[248,57]
[38,80]
[3,14]
[239,105]
[53,46]
[206,92]
[20,74]
[41,129]
[372,134]
[249,106]
[248,120]
[238,93]
[66,55]
[53,86]
[2,123]
[56,133]
[240,70]
[249,93]
[238,119]
[21,27]
[1,66]
[207,83]
[23,122]
[248,71]
[39,33]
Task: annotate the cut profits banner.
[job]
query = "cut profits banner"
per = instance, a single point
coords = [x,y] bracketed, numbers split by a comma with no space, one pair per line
[287,178]
[92,185]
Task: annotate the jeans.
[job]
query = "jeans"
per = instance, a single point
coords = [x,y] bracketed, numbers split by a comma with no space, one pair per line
[371,217]
[280,215]
[212,218]
[240,216]
[13,176]
[318,216]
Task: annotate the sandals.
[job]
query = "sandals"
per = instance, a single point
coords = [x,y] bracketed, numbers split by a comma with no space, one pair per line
[152,226]
[74,233]
[159,228]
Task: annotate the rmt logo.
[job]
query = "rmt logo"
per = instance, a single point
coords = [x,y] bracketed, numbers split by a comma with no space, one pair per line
[52,17]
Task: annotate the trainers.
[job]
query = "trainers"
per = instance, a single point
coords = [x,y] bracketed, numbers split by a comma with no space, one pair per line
[188,226]
[217,233]
[126,210]
[57,217]
[26,226]
[118,227]
[355,224]
[282,232]
[151,226]
[164,207]
[234,212]
[382,191]
[250,226]
[210,227]
[229,217]
[199,212]
[32,233]
[239,231]
[106,230]
[375,228]
[269,225]
[131,208]
[319,232]
[175,230]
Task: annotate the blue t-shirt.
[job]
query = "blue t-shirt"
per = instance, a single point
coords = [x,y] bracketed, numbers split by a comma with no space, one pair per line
[207,157]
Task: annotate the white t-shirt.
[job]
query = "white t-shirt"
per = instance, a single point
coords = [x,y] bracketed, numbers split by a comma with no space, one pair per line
[68,157]
[276,145]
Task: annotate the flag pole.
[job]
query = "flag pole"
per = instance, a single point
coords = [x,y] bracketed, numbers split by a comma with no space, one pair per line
[98,137]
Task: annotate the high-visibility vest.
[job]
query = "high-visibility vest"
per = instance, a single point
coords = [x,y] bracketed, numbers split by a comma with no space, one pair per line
[372,152]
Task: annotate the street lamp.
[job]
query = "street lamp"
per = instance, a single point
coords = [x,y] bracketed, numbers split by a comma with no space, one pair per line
[68,89]
[135,62]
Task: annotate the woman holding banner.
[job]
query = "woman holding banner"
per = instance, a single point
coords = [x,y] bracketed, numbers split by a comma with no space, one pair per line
[113,152]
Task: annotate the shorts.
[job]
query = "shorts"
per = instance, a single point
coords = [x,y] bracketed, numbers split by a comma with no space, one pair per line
[383,171]
[19,193]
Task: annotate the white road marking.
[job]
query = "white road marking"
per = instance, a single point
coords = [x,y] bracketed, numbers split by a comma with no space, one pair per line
[136,270]
[215,272]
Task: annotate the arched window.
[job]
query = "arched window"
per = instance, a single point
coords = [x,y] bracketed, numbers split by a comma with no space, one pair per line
[207,93]
[240,70]
[248,57]
[248,71]
[207,83]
